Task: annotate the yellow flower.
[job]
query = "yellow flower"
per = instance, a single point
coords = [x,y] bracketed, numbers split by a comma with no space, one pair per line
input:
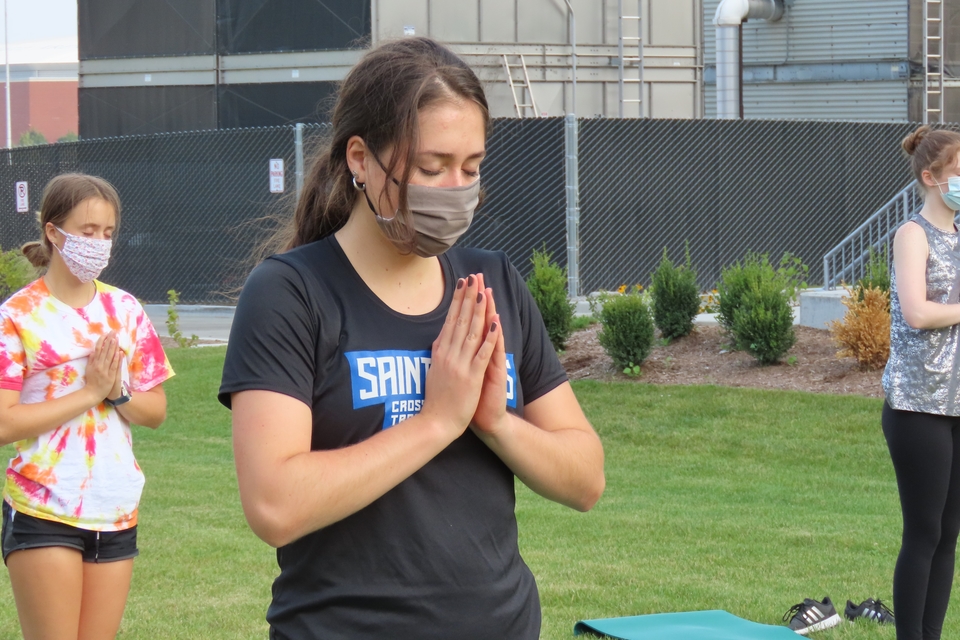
[622,288]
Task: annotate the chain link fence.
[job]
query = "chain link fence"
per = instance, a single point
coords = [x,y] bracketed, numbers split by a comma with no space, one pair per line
[193,202]
[185,200]
[726,187]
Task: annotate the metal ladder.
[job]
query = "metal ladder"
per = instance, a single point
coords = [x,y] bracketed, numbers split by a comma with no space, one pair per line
[523,84]
[626,60]
[933,61]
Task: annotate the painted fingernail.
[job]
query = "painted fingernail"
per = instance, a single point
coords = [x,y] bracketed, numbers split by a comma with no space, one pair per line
[470,281]
[480,297]
[460,283]
[493,327]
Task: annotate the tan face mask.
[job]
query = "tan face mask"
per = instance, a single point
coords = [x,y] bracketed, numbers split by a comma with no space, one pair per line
[440,216]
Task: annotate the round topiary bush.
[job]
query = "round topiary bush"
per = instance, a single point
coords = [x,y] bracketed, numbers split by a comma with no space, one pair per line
[676,299]
[763,323]
[627,329]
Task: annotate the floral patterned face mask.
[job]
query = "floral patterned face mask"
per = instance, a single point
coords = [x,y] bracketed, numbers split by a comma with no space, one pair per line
[84,257]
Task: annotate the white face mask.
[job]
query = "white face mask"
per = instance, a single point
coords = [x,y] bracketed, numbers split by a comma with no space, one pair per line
[951,197]
[84,257]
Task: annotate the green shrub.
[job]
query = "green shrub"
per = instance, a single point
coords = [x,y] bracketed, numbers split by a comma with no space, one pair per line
[31,138]
[736,279]
[173,322]
[876,273]
[734,283]
[793,275]
[676,299]
[582,322]
[626,332]
[763,323]
[754,304]
[548,285]
[16,272]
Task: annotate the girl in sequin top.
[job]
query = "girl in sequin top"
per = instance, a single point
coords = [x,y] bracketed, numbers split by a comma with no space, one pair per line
[921,414]
[79,362]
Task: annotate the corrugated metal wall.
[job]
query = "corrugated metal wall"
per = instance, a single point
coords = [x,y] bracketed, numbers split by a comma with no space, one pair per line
[821,32]
[860,101]
[951,41]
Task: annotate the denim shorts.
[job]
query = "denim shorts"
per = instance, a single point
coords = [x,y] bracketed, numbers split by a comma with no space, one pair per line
[21,531]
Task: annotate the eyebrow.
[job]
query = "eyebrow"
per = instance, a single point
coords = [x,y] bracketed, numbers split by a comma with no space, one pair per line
[449,156]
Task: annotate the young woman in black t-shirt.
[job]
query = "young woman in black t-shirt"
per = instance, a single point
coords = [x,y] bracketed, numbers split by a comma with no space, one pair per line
[386,390]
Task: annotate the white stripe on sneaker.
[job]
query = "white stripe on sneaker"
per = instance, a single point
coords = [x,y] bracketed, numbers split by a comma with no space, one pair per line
[830,622]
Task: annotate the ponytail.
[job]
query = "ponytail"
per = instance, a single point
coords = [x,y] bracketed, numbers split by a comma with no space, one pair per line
[37,254]
[327,199]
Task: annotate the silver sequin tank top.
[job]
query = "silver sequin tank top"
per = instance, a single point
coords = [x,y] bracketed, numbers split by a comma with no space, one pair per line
[922,372]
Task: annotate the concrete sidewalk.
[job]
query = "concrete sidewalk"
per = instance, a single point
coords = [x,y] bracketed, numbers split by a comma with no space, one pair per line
[206,322]
[210,322]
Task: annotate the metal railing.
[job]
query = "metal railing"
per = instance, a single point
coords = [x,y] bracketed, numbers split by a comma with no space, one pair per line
[846,262]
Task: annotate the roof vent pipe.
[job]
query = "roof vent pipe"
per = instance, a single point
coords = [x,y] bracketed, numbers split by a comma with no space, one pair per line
[730,15]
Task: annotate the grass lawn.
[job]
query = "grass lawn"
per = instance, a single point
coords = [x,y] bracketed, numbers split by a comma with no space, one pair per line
[716,498]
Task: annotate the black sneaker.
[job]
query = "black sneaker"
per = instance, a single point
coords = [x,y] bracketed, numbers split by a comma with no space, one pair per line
[811,615]
[871,610]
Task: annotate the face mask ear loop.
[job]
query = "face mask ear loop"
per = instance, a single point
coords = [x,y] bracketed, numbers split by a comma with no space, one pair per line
[367,196]
[362,187]
[64,234]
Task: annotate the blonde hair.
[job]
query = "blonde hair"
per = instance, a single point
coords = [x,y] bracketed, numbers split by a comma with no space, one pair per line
[61,195]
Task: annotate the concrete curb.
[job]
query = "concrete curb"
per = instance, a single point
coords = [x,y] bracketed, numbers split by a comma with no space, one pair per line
[212,322]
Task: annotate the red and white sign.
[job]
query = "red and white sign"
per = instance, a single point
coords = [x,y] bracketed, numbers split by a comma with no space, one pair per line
[276,175]
[23,197]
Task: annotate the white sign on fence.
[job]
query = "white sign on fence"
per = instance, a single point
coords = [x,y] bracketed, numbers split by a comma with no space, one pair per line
[276,175]
[23,197]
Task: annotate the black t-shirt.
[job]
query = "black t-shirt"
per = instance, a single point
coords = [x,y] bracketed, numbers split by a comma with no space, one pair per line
[436,556]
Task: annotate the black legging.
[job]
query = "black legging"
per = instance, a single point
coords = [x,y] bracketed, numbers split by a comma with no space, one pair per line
[925,449]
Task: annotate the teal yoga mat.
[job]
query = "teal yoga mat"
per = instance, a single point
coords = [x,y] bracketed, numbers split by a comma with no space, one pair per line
[691,625]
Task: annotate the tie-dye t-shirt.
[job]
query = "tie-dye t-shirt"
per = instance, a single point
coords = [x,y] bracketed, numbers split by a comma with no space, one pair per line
[82,473]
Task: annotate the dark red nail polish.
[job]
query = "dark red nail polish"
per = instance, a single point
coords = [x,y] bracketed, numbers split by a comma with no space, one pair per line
[470,281]
[460,283]
[493,327]
[479,298]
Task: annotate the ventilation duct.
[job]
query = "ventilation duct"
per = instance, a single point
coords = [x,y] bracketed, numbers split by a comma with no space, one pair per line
[730,16]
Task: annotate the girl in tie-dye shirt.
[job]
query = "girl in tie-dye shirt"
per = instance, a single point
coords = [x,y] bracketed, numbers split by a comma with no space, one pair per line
[79,362]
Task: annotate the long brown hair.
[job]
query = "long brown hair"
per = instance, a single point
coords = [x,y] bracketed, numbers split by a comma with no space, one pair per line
[379,101]
[61,195]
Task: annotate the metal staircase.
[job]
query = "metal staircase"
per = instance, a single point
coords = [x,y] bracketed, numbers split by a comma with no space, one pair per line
[933,67]
[523,84]
[844,264]
[636,57]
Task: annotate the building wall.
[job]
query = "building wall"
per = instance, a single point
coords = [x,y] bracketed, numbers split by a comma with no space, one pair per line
[822,60]
[482,31]
[47,106]
[53,107]
[951,35]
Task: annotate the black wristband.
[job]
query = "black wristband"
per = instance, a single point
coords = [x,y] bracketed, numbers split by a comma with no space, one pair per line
[123,398]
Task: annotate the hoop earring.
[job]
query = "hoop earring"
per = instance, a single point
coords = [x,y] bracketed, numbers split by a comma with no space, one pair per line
[359,186]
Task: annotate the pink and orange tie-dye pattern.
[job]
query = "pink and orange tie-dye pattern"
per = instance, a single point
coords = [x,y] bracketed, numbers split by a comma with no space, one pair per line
[82,473]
